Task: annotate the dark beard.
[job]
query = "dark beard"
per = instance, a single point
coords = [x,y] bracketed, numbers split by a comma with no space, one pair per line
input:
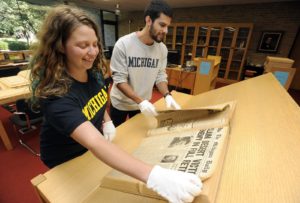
[153,36]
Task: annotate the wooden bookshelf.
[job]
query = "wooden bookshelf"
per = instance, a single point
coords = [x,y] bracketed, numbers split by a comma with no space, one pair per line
[228,40]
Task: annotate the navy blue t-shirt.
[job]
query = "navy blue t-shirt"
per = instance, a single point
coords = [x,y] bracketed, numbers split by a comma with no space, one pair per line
[62,115]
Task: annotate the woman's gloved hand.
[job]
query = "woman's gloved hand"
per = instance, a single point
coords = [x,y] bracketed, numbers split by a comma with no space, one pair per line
[175,186]
[109,130]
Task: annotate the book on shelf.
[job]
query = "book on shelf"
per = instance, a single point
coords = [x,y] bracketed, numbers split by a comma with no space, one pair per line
[189,140]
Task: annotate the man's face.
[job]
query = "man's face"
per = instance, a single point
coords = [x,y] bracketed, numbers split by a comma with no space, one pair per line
[159,28]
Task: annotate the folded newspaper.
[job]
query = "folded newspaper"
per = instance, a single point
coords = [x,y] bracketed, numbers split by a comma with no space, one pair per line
[188,140]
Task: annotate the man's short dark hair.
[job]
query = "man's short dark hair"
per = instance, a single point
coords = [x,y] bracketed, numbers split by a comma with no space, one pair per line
[156,7]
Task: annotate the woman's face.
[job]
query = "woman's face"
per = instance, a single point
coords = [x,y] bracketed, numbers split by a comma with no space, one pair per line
[81,49]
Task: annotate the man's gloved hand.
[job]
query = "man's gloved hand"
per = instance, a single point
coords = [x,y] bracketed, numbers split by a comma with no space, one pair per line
[147,108]
[175,186]
[109,130]
[171,103]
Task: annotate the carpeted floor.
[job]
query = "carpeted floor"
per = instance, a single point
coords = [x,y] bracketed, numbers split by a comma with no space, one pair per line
[18,166]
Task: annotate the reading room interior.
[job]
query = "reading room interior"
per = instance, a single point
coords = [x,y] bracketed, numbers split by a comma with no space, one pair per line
[227,112]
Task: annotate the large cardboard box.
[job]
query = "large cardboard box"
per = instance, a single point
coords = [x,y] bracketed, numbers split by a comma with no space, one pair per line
[277,62]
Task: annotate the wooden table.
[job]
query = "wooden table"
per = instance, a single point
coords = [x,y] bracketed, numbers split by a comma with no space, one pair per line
[4,137]
[14,87]
[8,65]
[8,95]
[262,163]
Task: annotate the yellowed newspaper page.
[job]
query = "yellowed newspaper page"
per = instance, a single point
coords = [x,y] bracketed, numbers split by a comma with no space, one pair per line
[195,152]
[197,118]
[190,144]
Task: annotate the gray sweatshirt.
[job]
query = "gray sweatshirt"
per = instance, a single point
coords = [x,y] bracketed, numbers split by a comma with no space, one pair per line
[140,65]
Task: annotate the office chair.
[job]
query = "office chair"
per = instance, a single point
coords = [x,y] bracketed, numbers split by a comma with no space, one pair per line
[24,119]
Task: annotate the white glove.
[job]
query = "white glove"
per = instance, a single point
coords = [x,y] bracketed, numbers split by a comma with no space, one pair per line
[109,130]
[175,186]
[170,102]
[147,108]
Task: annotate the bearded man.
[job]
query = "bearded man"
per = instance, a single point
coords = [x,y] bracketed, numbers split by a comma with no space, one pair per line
[138,63]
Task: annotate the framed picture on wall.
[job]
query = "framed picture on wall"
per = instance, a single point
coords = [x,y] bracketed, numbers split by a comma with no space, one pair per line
[269,41]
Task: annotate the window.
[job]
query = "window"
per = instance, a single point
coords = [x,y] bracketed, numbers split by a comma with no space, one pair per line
[109,26]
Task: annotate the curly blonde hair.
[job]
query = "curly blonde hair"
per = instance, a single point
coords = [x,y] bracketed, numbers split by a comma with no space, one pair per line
[48,65]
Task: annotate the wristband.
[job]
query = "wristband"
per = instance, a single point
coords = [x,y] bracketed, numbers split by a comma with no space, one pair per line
[168,93]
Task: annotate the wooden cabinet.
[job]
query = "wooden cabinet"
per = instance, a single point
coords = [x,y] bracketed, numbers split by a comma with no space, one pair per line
[207,73]
[199,81]
[179,78]
[228,40]
[282,69]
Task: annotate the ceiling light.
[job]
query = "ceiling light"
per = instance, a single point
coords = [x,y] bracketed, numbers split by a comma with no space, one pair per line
[117,10]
